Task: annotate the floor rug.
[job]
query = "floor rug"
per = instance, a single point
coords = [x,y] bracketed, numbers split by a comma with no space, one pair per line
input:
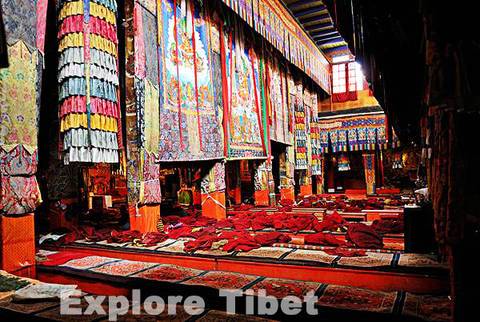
[122,268]
[431,308]
[281,288]
[222,280]
[353,298]
[88,262]
[317,256]
[265,252]
[168,273]
[371,260]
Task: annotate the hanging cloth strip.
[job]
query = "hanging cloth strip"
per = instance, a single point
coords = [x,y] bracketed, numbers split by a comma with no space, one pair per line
[195,72]
[179,91]
[257,103]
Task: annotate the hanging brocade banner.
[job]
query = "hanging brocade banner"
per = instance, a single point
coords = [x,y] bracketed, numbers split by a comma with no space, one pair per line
[276,24]
[20,91]
[245,123]
[88,81]
[190,127]
[301,129]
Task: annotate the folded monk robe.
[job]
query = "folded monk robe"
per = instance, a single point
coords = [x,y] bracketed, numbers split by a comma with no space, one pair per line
[202,243]
[261,221]
[363,236]
[224,223]
[182,231]
[202,231]
[279,219]
[330,222]
[268,239]
[153,238]
[238,241]
[296,223]
[124,236]
[323,239]
[388,226]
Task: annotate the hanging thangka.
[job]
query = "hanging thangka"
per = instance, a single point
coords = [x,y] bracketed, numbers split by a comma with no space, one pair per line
[88,81]
[279,114]
[244,126]
[20,91]
[190,126]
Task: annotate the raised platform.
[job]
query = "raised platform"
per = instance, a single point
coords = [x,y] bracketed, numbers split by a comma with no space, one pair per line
[112,275]
[385,271]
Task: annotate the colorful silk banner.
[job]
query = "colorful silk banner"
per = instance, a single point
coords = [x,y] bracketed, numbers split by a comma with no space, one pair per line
[190,121]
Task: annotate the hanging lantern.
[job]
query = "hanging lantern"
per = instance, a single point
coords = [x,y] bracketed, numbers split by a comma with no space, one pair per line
[343,163]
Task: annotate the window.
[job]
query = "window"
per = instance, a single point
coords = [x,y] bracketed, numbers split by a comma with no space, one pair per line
[339,83]
[352,77]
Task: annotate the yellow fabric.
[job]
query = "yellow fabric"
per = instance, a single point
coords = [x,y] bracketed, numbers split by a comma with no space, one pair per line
[71,40]
[18,94]
[102,12]
[98,42]
[152,118]
[97,121]
[71,9]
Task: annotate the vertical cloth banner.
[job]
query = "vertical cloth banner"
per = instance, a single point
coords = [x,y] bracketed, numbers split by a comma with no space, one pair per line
[20,91]
[369,166]
[190,127]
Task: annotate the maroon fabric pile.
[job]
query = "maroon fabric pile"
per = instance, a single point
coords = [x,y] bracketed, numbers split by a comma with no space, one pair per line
[323,240]
[388,226]
[363,236]
[330,222]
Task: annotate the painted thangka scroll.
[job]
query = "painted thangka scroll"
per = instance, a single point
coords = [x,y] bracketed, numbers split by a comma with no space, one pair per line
[245,123]
[279,112]
[89,110]
[20,91]
[190,121]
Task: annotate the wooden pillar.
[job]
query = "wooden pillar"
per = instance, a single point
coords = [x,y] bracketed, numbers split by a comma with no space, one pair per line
[213,192]
[263,184]
[287,182]
[17,245]
[369,167]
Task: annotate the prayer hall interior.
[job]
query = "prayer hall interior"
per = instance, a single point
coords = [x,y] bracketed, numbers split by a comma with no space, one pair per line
[317,153]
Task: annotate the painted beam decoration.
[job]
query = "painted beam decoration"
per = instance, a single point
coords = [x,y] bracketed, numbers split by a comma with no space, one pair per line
[275,23]
[352,132]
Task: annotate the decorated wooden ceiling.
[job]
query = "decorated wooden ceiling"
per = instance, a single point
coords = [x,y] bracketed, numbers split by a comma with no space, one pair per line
[317,21]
